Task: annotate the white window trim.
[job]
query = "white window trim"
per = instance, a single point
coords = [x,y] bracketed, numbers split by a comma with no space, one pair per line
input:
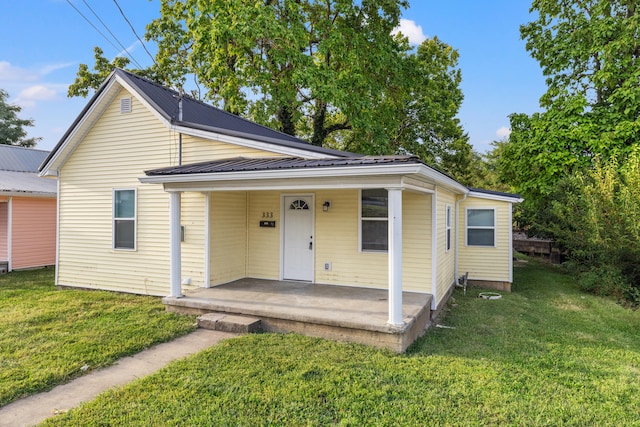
[360,219]
[448,237]
[494,228]
[135,219]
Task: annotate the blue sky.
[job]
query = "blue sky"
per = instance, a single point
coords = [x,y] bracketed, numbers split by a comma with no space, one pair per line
[44,41]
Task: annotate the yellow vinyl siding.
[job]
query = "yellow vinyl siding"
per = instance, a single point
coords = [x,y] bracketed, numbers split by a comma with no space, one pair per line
[196,150]
[114,154]
[228,241]
[337,242]
[446,259]
[193,219]
[416,242]
[486,263]
[263,260]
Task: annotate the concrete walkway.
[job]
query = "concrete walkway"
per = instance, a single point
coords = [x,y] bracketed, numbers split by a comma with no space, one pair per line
[34,409]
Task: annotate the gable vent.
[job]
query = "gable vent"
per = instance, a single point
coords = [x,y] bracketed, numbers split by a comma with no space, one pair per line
[125,105]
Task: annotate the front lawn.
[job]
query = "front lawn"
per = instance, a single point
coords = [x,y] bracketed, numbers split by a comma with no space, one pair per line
[48,337]
[546,354]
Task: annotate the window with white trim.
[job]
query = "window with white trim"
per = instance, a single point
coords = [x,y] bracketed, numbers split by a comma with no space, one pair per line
[448,228]
[124,219]
[374,220]
[481,227]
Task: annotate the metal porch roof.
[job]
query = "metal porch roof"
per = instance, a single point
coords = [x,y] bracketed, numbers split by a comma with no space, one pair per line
[244,164]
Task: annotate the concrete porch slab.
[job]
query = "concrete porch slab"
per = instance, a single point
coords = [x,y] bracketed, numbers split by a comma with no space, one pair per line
[341,313]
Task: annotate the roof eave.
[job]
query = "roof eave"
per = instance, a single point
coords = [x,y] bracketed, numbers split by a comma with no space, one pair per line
[414,169]
[284,173]
[26,193]
[500,197]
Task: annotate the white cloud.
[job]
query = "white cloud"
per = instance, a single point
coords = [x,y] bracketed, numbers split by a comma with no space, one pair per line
[411,30]
[129,49]
[28,97]
[10,73]
[47,69]
[27,86]
[503,132]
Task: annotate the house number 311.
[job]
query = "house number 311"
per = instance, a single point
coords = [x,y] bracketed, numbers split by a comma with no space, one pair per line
[267,214]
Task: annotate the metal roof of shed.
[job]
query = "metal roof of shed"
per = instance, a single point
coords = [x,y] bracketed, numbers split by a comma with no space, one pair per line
[27,183]
[20,159]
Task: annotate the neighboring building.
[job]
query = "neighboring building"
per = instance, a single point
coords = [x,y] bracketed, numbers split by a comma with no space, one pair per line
[157,194]
[27,210]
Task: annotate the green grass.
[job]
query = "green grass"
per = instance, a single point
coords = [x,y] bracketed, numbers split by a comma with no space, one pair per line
[546,354]
[48,337]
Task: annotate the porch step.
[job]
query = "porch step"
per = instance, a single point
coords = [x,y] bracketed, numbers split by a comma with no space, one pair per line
[229,323]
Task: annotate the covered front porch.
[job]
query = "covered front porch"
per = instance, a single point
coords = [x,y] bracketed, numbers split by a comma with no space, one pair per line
[342,313]
[345,248]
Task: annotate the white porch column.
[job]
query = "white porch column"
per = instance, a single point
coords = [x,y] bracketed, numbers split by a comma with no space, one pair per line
[395,256]
[207,240]
[174,243]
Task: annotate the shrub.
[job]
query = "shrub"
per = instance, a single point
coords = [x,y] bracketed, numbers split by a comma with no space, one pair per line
[604,280]
[595,215]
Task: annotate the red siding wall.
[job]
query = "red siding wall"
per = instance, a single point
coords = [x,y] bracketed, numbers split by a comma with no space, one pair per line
[3,230]
[33,237]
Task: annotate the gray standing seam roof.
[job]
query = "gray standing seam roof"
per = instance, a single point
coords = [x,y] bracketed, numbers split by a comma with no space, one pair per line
[195,112]
[27,183]
[20,159]
[244,164]
[199,115]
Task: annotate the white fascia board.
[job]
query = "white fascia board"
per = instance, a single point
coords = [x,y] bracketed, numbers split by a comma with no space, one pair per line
[418,185]
[80,130]
[288,185]
[252,143]
[336,172]
[497,197]
[443,180]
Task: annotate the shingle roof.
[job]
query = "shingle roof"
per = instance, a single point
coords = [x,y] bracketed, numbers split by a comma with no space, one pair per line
[244,164]
[20,159]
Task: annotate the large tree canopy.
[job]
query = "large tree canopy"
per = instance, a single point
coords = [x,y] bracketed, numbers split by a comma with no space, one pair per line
[590,52]
[12,130]
[329,71]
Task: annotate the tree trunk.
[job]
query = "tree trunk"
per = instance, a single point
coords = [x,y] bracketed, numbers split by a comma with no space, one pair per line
[285,116]
[319,131]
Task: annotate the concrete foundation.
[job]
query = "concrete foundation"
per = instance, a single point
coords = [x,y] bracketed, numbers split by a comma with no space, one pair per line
[339,313]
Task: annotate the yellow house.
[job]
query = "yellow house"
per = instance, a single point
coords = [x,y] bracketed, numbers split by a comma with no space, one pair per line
[161,194]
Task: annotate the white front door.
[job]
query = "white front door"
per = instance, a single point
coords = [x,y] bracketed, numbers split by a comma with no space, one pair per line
[298,243]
